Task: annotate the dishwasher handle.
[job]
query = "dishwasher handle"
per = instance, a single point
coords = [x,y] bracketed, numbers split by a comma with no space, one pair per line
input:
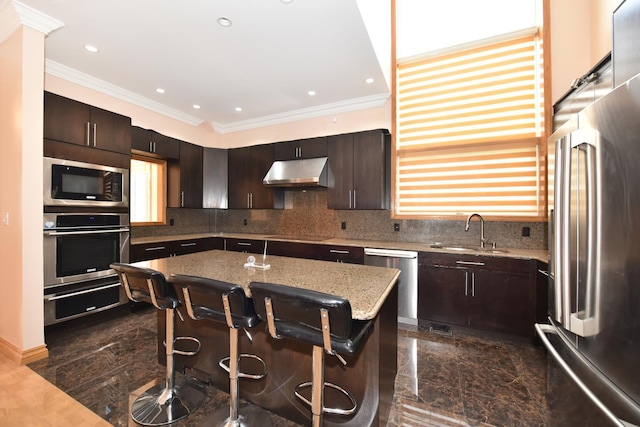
[391,253]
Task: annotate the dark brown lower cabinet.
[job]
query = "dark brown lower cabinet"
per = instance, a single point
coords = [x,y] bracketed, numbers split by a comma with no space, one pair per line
[322,252]
[490,293]
[146,251]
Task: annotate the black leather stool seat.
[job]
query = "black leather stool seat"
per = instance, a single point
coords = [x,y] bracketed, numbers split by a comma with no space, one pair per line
[207,303]
[297,317]
[171,401]
[320,319]
[138,279]
[214,300]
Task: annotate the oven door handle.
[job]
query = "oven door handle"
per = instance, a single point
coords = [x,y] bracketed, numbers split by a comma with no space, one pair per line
[67,233]
[86,291]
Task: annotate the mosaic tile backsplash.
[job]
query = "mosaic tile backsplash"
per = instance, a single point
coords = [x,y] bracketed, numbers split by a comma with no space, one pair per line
[306,214]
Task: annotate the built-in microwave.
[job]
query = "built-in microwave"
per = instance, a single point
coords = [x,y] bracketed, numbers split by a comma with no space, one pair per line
[71,183]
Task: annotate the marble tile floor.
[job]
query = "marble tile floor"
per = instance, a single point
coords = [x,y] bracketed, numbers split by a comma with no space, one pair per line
[464,379]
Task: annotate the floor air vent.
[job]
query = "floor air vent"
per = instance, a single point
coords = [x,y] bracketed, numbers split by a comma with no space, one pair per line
[440,329]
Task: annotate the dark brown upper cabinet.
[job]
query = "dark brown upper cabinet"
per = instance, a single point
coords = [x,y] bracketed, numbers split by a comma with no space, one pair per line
[185,178]
[301,149]
[154,143]
[359,170]
[247,168]
[74,122]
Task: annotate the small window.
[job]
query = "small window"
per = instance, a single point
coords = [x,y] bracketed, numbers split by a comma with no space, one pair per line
[148,198]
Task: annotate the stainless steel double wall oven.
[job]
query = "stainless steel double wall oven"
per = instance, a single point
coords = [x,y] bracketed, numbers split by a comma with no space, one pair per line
[85,229]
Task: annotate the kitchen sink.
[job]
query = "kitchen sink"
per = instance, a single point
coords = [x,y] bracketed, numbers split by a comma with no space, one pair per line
[458,248]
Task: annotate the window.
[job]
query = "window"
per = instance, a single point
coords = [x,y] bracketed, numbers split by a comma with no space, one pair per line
[469,131]
[148,191]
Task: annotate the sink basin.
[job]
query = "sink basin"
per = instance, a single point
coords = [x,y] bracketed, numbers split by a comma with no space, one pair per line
[467,248]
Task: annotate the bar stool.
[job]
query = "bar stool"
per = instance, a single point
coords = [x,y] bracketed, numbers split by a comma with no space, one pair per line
[160,404]
[321,319]
[225,303]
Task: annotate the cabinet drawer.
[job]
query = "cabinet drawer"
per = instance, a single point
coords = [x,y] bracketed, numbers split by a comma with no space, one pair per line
[293,249]
[245,245]
[478,262]
[197,245]
[348,254]
[146,251]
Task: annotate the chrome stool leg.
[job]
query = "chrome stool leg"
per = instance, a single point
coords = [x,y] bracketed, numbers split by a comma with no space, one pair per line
[164,404]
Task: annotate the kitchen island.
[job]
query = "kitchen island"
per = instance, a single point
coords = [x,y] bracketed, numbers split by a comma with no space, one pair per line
[369,374]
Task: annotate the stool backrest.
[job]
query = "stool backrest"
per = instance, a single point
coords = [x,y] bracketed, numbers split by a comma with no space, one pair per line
[146,285]
[297,311]
[206,300]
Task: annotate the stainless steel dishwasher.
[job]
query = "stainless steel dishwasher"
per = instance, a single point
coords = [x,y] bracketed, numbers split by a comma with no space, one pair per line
[407,263]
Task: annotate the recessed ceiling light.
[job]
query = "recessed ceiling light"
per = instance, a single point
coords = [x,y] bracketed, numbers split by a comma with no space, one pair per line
[369,80]
[311,93]
[286,1]
[196,106]
[160,90]
[90,48]
[238,109]
[224,21]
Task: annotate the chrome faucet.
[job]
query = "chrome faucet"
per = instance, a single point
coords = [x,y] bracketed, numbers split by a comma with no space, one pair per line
[466,228]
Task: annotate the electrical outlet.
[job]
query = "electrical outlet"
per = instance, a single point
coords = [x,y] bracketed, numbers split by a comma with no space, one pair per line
[526,231]
[5,218]
[245,222]
[396,226]
[171,222]
[343,225]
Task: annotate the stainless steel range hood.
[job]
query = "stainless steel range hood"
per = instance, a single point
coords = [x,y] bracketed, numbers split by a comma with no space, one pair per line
[297,173]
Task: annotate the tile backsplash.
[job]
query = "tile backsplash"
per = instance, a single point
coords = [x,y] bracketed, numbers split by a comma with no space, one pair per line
[306,214]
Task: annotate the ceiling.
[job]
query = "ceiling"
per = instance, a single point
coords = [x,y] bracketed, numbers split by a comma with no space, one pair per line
[266,62]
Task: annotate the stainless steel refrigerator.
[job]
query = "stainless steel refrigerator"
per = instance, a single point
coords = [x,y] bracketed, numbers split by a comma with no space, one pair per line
[593,334]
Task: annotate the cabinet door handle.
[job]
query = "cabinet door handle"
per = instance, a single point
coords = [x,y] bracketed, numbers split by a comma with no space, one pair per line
[466,283]
[350,200]
[95,134]
[470,263]
[473,284]
[244,244]
[155,248]
[151,146]
[185,245]
[338,251]
[88,133]
[182,199]
[354,199]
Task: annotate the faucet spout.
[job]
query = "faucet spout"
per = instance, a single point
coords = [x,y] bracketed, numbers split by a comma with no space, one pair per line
[466,228]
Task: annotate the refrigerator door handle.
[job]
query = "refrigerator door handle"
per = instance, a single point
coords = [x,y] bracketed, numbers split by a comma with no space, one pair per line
[585,322]
[542,330]
[562,232]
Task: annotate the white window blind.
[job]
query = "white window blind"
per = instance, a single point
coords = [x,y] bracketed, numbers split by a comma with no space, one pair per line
[468,132]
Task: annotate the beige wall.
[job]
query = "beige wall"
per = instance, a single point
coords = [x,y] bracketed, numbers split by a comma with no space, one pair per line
[580,37]
[333,124]
[202,135]
[21,85]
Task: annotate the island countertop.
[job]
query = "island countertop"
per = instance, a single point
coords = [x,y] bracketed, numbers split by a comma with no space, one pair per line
[366,287]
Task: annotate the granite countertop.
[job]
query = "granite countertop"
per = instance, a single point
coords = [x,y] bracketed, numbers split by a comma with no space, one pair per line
[366,287]
[537,254]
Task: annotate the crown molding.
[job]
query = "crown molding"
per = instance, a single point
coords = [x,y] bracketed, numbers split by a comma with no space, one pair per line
[13,14]
[305,113]
[85,80]
[58,70]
